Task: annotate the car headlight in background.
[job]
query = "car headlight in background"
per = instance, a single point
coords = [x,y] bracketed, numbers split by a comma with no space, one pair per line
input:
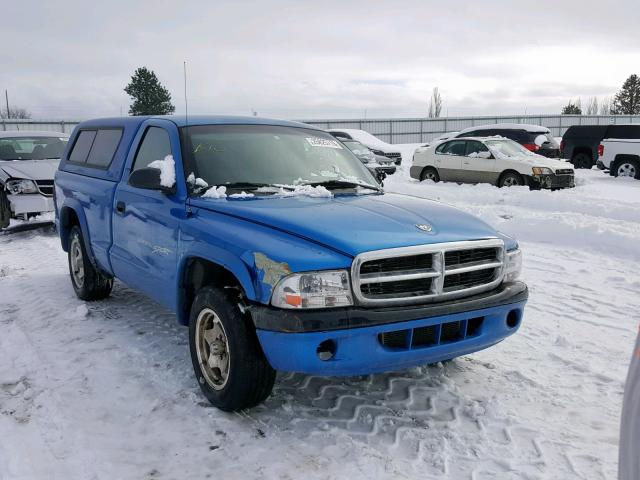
[512,265]
[21,186]
[542,171]
[324,289]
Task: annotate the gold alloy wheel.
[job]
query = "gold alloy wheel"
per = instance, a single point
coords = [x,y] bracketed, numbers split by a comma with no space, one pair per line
[212,348]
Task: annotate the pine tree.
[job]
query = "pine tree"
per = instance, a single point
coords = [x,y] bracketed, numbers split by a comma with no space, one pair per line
[627,100]
[572,108]
[148,94]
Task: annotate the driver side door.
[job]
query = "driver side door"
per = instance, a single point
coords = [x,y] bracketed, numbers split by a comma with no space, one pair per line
[146,223]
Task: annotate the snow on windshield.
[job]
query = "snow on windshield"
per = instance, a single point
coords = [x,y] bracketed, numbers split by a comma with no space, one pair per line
[167,167]
[506,149]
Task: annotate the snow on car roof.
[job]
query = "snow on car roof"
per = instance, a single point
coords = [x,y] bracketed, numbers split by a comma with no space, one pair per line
[509,126]
[32,133]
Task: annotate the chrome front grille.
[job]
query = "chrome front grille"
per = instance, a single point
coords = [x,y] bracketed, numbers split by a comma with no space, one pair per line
[427,273]
[45,187]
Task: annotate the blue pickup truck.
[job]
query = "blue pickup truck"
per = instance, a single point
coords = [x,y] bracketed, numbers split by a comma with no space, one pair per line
[279,250]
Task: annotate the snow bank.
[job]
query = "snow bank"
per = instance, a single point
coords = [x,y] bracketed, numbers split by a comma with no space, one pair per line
[167,167]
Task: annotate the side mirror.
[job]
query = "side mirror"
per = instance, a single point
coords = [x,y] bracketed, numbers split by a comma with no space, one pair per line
[485,155]
[149,179]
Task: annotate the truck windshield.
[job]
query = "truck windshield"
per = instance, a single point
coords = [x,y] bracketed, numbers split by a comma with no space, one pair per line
[246,155]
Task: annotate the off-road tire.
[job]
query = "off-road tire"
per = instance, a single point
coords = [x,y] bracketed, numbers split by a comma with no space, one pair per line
[5,210]
[582,160]
[93,284]
[250,378]
[430,173]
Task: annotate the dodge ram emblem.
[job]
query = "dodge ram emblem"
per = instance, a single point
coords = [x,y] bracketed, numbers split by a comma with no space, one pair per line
[425,227]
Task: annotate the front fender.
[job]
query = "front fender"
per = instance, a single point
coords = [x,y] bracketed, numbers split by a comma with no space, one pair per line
[257,255]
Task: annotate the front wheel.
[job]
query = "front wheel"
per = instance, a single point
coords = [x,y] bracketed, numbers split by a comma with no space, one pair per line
[511,179]
[88,282]
[231,368]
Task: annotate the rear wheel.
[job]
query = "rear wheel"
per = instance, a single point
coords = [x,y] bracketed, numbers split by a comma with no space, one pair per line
[627,168]
[510,179]
[5,210]
[231,368]
[88,282]
[582,160]
[430,173]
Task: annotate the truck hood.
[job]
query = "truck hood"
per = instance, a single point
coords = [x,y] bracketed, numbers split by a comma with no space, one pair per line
[352,224]
[30,169]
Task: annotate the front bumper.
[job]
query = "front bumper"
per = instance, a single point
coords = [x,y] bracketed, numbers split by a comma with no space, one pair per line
[30,203]
[552,181]
[290,340]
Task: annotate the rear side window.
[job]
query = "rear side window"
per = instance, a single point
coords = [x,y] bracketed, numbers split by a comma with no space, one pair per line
[456,147]
[96,148]
[475,147]
[624,131]
[104,148]
[82,146]
[155,146]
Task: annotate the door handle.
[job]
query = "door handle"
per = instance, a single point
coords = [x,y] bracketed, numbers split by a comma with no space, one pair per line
[120,207]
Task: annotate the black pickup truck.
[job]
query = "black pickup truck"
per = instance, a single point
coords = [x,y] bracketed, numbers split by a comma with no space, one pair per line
[580,142]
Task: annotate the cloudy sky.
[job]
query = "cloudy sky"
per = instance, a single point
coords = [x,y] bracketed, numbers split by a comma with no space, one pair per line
[303,59]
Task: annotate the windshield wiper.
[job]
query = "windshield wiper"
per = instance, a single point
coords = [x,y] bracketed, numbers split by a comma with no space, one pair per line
[247,186]
[329,184]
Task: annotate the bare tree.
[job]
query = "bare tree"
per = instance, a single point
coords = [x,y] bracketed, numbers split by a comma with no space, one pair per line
[20,113]
[605,106]
[435,103]
[592,106]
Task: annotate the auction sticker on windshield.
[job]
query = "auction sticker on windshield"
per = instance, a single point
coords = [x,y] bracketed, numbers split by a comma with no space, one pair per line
[323,142]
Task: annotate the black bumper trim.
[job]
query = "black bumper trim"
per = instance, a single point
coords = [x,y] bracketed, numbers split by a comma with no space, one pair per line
[296,321]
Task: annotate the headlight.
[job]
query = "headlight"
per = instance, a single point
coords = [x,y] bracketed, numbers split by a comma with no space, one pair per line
[512,265]
[21,186]
[542,171]
[325,289]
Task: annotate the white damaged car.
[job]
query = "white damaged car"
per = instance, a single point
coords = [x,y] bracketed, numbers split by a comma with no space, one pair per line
[28,162]
[494,160]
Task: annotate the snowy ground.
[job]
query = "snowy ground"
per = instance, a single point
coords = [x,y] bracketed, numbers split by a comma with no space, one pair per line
[105,390]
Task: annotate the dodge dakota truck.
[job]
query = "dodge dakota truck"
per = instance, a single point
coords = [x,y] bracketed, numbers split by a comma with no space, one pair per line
[279,250]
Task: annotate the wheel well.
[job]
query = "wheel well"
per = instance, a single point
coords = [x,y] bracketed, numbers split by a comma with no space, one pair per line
[68,218]
[586,150]
[199,272]
[622,157]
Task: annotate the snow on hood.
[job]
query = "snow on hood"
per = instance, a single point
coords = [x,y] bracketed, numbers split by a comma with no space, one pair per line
[31,169]
[354,224]
[368,140]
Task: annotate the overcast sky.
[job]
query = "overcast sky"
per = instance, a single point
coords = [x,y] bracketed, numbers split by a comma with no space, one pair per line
[303,59]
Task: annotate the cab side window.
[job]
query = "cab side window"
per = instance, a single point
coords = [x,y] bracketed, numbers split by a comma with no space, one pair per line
[154,146]
[456,147]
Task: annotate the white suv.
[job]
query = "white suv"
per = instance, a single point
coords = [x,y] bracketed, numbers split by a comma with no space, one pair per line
[495,160]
